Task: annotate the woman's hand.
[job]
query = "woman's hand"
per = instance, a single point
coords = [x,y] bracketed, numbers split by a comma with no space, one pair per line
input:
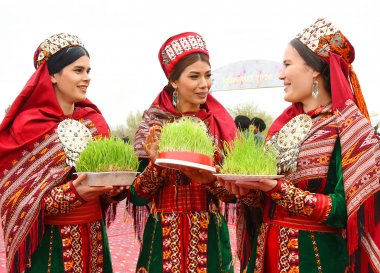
[262,184]
[88,192]
[199,176]
[233,188]
[151,144]
[116,190]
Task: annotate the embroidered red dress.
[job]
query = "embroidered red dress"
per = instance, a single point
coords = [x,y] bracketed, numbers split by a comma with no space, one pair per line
[305,215]
[47,226]
[185,231]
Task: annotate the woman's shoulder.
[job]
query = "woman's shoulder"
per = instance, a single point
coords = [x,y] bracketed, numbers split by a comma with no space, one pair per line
[95,117]
[28,126]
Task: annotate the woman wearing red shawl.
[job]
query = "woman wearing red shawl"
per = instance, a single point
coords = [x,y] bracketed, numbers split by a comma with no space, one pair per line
[320,217]
[185,231]
[51,222]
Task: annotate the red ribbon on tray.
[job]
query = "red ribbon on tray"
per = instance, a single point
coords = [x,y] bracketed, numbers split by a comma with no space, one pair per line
[188,156]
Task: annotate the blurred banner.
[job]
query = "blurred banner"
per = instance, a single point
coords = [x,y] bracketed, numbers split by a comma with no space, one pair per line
[249,74]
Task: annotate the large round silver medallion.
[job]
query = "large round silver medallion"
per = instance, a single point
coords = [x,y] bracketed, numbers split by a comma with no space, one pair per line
[74,137]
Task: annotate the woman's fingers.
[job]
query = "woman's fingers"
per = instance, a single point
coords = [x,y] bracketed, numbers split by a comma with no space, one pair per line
[88,192]
[79,180]
[262,184]
[117,190]
[247,184]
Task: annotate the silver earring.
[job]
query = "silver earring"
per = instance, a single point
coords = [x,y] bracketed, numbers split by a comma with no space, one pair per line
[175,98]
[315,89]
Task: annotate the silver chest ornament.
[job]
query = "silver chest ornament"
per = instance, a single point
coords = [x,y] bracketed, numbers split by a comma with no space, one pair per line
[74,137]
[287,142]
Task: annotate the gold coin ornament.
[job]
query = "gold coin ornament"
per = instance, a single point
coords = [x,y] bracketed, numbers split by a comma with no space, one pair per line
[74,137]
[288,140]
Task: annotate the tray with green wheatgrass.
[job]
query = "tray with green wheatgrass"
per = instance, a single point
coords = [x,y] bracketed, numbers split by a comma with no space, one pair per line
[108,161]
[248,160]
[186,143]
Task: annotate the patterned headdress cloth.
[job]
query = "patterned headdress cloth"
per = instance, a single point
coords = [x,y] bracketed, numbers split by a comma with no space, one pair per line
[323,37]
[179,46]
[52,45]
[325,40]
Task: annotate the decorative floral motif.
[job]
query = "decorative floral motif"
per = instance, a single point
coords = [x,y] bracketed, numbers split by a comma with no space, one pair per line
[74,137]
[150,180]
[61,199]
[219,191]
[316,252]
[177,47]
[323,37]
[54,44]
[301,202]
[289,251]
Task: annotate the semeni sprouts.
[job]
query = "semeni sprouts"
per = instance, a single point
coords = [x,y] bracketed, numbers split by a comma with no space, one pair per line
[107,155]
[245,156]
[186,135]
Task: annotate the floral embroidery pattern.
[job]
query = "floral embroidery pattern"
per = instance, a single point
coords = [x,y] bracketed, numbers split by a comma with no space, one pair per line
[259,263]
[219,191]
[96,258]
[294,199]
[288,252]
[149,181]
[316,253]
[61,199]
[197,255]
[72,251]
[171,258]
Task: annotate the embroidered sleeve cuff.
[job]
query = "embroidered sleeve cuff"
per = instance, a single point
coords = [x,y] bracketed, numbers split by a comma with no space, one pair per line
[220,192]
[74,191]
[62,199]
[149,181]
[275,189]
[323,207]
[312,205]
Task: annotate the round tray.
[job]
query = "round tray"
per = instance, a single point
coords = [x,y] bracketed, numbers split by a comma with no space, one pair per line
[246,177]
[179,160]
[119,178]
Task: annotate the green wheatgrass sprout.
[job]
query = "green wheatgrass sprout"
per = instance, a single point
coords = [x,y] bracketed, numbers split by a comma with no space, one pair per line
[186,135]
[107,155]
[247,157]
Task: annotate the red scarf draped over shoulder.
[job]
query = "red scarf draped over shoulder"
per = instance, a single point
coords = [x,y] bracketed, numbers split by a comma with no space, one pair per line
[360,166]
[219,121]
[29,125]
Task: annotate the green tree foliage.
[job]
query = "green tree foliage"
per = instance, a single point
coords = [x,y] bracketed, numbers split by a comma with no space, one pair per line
[129,128]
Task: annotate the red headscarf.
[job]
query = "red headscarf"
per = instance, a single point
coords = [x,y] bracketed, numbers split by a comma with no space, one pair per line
[33,115]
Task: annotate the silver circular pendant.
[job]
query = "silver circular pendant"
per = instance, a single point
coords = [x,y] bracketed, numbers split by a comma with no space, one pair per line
[74,137]
[294,131]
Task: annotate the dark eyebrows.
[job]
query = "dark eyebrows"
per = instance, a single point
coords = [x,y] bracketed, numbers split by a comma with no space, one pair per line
[198,73]
[81,67]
